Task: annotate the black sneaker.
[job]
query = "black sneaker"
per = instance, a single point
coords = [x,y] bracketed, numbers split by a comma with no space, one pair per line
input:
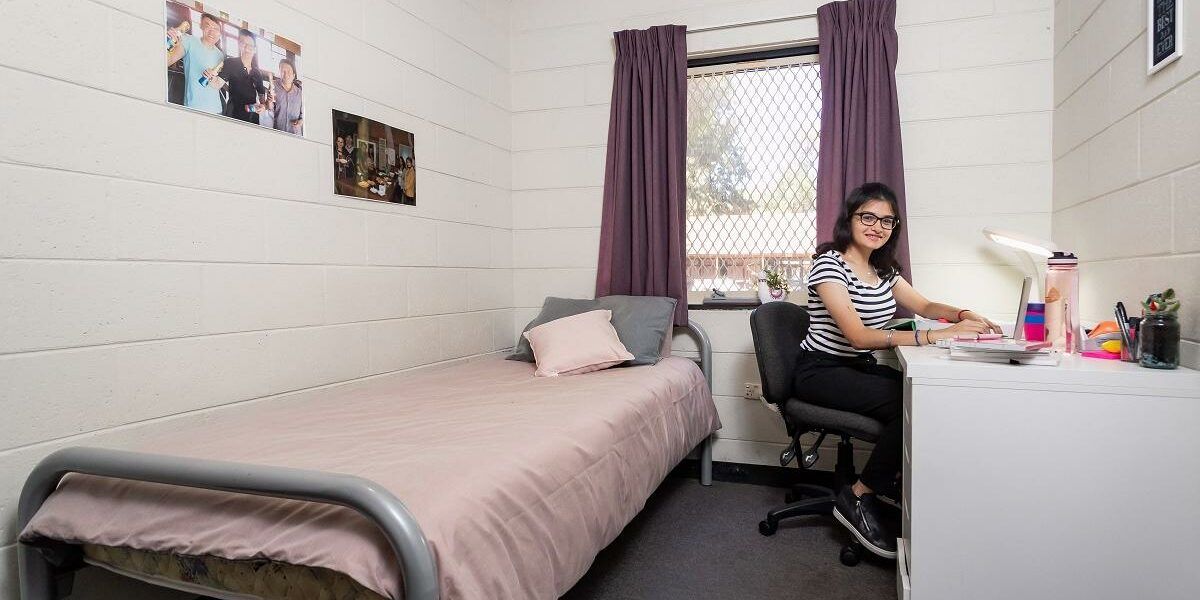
[861,517]
[892,493]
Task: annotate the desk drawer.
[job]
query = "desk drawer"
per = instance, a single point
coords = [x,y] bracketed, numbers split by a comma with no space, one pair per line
[903,583]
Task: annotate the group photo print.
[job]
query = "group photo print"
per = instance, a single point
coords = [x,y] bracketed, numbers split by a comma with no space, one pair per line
[226,66]
[372,160]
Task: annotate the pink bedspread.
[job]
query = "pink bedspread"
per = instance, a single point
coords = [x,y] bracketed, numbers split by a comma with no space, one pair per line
[516,481]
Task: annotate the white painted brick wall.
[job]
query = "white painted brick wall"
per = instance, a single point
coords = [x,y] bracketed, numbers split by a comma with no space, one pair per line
[156,261]
[976,95]
[1126,147]
[562,207]
[128,264]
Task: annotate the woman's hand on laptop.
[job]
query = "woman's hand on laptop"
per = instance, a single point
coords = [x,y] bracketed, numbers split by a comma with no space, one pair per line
[974,316]
[964,328]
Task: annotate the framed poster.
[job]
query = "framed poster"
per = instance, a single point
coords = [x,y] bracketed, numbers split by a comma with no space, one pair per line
[223,65]
[373,161]
[1163,35]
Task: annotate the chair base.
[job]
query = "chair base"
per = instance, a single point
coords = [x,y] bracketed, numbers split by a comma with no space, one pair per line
[808,499]
[820,505]
[806,490]
[850,555]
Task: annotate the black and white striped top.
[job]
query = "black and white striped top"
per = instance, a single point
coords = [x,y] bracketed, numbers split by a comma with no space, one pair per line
[875,305]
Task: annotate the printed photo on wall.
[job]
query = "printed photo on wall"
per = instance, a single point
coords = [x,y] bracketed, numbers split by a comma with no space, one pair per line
[373,161]
[222,65]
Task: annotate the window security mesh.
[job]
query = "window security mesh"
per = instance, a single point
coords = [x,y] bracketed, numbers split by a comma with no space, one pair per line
[753,137]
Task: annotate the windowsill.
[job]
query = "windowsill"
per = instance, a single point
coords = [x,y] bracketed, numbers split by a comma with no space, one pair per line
[696,306]
[720,307]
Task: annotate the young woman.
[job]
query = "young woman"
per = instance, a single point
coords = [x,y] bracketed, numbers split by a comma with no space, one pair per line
[339,157]
[410,182]
[853,290]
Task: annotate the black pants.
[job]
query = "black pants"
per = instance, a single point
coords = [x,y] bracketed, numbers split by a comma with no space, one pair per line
[859,385]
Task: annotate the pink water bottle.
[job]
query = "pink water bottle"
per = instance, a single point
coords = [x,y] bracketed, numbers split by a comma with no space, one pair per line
[1062,302]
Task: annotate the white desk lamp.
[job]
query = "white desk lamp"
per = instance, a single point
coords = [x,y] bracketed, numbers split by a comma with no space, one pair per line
[1029,246]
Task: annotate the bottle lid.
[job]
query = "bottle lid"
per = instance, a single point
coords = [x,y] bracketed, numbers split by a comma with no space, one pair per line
[1062,259]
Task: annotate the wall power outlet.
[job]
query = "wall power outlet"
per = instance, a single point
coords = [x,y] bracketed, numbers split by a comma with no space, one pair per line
[753,391]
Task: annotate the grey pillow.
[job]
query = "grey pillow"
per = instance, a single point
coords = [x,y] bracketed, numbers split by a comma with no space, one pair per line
[642,322]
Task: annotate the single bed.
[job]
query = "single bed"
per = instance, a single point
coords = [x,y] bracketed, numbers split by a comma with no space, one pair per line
[474,480]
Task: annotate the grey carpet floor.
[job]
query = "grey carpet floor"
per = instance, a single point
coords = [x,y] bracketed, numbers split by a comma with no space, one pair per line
[700,543]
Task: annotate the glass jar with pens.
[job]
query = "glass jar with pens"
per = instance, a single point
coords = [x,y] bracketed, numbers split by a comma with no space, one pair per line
[1129,344]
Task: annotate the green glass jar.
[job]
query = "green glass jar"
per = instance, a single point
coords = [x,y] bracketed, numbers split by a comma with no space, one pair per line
[1158,340]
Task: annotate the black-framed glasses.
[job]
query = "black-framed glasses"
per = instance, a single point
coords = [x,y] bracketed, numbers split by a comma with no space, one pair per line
[869,219]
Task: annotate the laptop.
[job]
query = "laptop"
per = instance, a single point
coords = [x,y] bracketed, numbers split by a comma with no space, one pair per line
[1017,336]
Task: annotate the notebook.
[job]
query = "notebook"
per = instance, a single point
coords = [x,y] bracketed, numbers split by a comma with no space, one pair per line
[1033,357]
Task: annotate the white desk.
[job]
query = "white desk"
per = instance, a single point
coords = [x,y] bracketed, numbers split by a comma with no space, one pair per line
[1026,482]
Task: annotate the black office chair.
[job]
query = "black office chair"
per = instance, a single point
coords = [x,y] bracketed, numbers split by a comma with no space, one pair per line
[778,328]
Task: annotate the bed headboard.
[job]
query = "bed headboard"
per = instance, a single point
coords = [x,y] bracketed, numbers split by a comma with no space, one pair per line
[697,332]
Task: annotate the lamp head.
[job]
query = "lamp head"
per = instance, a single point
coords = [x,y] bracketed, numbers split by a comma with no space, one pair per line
[1012,239]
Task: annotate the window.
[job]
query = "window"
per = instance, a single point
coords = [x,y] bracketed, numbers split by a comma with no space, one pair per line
[753,137]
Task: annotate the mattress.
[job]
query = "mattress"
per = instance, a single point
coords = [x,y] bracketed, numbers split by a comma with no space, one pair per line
[517,481]
[216,577]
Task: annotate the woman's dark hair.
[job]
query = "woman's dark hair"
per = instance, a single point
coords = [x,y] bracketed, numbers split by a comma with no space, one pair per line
[882,260]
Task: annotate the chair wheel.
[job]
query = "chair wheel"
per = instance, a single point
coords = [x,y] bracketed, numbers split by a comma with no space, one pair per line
[850,555]
[768,527]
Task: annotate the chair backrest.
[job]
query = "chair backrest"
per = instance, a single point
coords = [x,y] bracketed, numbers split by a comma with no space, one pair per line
[777,329]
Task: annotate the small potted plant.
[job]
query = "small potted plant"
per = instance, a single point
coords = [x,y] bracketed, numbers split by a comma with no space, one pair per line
[772,287]
[1158,334]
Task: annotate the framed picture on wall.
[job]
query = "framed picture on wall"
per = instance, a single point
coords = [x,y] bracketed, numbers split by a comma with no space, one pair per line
[222,65]
[1164,37]
[373,161]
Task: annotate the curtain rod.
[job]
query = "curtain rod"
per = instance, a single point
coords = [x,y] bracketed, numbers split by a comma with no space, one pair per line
[748,23]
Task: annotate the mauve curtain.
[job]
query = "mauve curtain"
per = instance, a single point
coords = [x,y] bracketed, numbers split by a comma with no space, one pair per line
[860,115]
[642,250]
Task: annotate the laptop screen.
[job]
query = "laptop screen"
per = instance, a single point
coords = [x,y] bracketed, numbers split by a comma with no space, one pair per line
[1019,327]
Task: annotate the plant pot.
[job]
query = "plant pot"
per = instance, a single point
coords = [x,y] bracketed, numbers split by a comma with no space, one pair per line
[1158,341]
[767,294]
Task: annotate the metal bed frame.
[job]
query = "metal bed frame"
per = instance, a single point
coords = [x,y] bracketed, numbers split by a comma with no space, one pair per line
[40,580]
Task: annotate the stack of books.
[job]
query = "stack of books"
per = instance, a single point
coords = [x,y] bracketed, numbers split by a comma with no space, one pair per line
[1005,351]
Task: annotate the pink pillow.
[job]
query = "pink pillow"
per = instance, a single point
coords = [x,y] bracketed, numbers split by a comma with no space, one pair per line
[576,344]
